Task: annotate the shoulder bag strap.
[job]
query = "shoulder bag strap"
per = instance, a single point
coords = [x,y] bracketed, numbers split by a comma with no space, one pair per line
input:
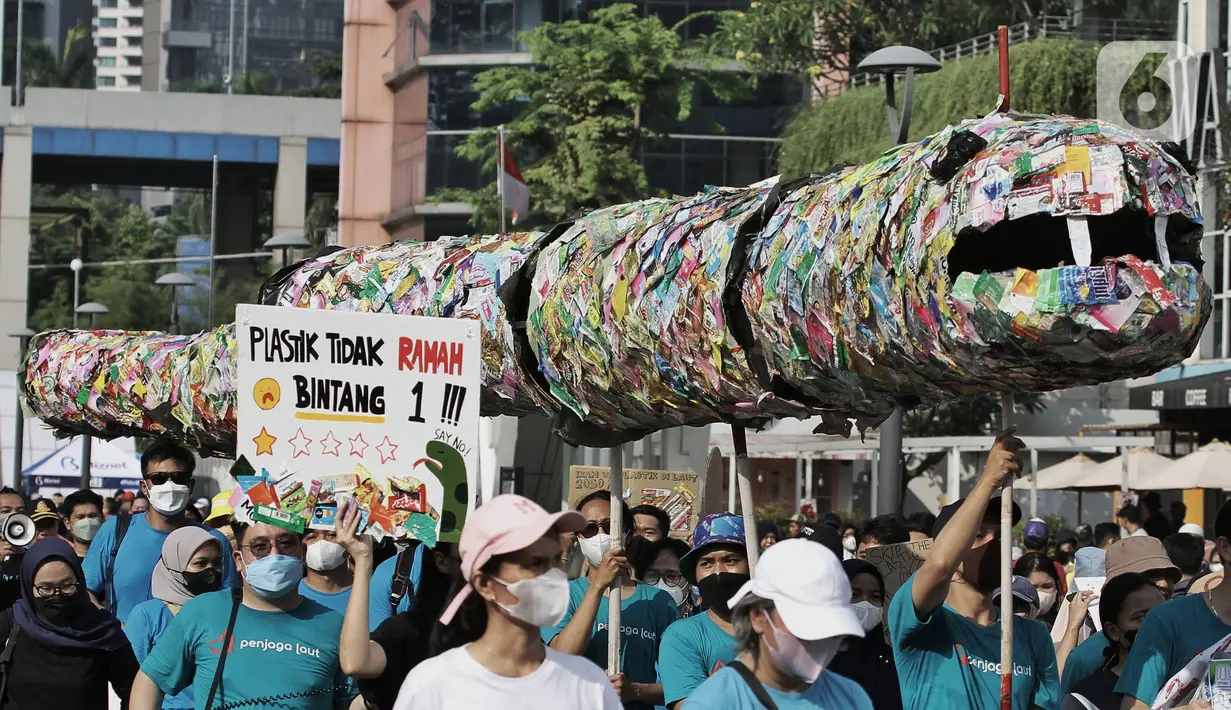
[237,594]
[6,657]
[401,576]
[757,689]
[122,521]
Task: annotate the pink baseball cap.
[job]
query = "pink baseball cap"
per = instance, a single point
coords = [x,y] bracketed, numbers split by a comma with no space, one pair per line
[504,524]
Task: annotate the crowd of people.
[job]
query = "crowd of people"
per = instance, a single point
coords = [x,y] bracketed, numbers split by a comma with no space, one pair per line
[181,606]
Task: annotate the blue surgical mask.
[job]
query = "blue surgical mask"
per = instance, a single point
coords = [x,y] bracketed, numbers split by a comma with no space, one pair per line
[274,576]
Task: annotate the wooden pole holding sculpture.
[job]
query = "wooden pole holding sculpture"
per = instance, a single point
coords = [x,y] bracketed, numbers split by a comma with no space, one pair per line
[742,468]
[1006,571]
[1006,494]
[617,587]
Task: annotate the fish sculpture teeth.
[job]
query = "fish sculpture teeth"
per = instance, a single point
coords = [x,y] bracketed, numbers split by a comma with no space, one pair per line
[1009,253]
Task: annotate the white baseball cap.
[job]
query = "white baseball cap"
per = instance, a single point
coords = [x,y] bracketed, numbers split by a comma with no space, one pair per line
[1193,529]
[808,587]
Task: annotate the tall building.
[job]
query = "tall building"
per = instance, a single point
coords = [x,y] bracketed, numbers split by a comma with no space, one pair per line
[442,45]
[118,29]
[46,21]
[202,43]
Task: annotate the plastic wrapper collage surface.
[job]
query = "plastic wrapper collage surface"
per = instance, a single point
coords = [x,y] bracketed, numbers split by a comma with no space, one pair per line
[1009,253]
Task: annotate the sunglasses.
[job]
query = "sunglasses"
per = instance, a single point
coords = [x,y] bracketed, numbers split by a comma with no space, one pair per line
[591,529]
[159,478]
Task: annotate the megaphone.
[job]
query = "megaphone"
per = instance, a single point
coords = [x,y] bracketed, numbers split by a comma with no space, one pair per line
[17,529]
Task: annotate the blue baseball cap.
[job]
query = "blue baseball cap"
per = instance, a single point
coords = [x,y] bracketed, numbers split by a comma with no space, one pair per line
[713,529]
[1036,531]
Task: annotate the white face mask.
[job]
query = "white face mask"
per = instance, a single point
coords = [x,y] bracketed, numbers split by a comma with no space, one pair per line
[542,601]
[170,498]
[1216,567]
[869,614]
[1046,600]
[677,593]
[324,555]
[85,529]
[849,543]
[804,660]
[593,548]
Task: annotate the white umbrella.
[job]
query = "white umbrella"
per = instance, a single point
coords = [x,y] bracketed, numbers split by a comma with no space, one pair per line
[1207,467]
[1142,464]
[1061,475]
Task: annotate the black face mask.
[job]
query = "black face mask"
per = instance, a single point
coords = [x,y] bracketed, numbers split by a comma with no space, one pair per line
[717,589]
[55,609]
[203,582]
[1130,636]
[981,567]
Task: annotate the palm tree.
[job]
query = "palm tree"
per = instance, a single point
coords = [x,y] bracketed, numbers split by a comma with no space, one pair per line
[41,66]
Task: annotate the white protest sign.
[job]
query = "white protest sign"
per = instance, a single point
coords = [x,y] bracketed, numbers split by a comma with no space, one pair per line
[339,398]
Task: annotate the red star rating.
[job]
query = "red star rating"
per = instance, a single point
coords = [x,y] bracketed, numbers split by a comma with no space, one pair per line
[300,444]
[329,445]
[386,450]
[358,445]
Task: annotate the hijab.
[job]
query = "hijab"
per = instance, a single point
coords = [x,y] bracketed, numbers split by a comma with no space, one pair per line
[86,628]
[167,582]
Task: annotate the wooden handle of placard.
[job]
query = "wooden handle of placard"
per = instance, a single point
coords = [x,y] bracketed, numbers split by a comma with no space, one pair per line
[740,440]
[1006,572]
[616,595]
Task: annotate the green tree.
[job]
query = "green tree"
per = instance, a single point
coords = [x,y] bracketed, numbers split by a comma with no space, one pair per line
[598,93]
[70,70]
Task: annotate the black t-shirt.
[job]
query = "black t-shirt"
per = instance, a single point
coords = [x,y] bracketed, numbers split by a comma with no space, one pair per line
[405,647]
[42,677]
[1099,690]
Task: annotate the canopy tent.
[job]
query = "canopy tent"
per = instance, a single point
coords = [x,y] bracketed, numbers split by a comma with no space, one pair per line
[1062,475]
[60,472]
[1143,463]
[1207,467]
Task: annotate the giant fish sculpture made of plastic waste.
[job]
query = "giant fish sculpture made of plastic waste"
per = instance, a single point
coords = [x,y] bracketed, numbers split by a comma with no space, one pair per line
[1008,253]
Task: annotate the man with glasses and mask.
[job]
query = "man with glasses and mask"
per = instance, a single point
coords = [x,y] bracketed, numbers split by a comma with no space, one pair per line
[696,647]
[125,549]
[276,647]
[944,628]
[646,611]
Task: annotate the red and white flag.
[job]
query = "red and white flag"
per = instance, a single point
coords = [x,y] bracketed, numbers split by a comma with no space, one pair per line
[514,194]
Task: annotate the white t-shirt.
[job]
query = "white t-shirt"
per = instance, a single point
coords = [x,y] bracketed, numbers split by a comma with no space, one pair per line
[455,680]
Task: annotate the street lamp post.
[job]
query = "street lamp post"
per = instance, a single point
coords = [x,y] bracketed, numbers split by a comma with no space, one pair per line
[176,280]
[890,61]
[23,335]
[93,310]
[76,265]
[287,242]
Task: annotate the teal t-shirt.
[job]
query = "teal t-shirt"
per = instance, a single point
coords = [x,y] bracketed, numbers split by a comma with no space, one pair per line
[644,617]
[382,585]
[948,661]
[1170,636]
[336,601]
[726,690]
[146,624]
[1083,662]
[271,653]
[692,650]
[134,564]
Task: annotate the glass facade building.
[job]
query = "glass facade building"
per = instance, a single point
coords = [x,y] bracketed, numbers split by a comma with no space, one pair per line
[459,35]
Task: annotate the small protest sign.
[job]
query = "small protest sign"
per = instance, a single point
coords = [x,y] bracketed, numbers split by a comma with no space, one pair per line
[382,408]
[897,563]
[676,492]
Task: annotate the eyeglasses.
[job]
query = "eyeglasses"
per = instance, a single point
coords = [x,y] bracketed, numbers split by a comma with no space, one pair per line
[591,529]
[673,579]
[261,547]
[65,590]
[159,478]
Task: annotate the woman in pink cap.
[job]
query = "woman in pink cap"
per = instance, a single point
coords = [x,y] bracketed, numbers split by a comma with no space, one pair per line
[515,586]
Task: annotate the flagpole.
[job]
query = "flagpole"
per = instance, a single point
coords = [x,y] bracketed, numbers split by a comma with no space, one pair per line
[500,178]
